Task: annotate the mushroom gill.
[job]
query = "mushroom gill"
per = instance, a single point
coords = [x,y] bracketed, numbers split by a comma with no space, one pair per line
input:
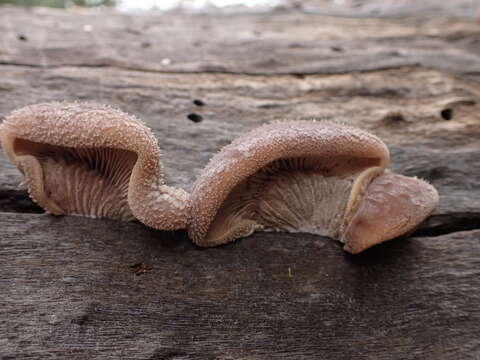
[92,160]
[306,176]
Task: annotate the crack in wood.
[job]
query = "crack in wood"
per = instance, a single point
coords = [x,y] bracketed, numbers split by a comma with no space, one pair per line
[442,224]
[206,70]
[18,201]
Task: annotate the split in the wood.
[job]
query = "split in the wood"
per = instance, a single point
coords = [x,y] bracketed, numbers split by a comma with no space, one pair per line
[441,224]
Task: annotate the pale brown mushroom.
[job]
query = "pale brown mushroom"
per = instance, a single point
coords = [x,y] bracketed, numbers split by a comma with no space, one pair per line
[306,176]
[92,160]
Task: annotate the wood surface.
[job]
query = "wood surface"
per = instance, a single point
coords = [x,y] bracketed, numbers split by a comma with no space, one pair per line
[81,288]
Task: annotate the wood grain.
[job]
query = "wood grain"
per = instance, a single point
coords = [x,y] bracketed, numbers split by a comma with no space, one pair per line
[82,288]
[68,288]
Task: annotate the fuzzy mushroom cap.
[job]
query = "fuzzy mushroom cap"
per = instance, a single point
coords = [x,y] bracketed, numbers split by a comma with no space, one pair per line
[91,160]
[288,176]
[317,177]
[391,206]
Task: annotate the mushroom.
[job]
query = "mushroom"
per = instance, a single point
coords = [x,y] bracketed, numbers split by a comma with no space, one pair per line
[92,160]
[306,176]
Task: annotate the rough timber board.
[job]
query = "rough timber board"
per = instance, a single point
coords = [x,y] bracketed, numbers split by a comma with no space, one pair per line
[403,106]
[67,288]
[283,43]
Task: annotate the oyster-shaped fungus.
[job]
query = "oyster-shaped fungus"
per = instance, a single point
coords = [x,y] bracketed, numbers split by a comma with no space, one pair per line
[306,176]
[92,160]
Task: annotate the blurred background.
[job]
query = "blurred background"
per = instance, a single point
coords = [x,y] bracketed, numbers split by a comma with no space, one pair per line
[332,7]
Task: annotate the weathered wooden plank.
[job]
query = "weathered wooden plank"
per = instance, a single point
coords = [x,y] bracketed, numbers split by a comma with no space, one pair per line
[68,288]
[402,106]
[385,8]
[280,43]
[67,285]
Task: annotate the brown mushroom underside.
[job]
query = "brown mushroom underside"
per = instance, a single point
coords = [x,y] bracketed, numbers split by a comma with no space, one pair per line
[78,181]
[295,195]
[92,160]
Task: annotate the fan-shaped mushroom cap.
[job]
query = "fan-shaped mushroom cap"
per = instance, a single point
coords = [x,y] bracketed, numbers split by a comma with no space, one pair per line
[249,185]
[303,176]
[391,206]
[92,160]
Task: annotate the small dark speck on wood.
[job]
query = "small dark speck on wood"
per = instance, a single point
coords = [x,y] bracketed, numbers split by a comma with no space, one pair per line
[140,268]
[299,76]
[394,118]
[22,37]
[198,102]
[447,114]
[195,117]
